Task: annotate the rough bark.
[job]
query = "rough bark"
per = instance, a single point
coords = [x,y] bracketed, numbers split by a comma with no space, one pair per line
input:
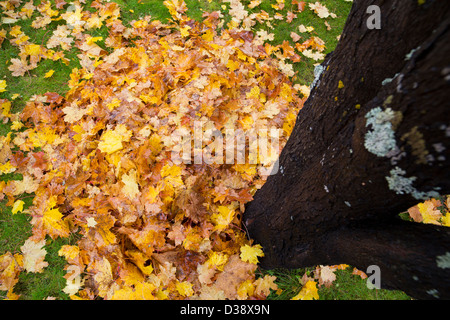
[331,200]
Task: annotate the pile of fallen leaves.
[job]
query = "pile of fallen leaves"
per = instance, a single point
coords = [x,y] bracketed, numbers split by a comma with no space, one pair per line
[99,162]
[100,159]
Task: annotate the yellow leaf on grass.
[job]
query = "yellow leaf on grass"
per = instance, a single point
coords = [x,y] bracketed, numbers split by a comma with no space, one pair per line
[6,107]
[10,267]
[33,255]
[49,73]
[32,49]
[251,253]
[17,206]
[3,85]
[264,285]
[308,292]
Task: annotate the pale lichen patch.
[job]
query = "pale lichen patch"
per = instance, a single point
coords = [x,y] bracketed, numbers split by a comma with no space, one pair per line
[443,261]
[380,140]
[404,185]
[434,293]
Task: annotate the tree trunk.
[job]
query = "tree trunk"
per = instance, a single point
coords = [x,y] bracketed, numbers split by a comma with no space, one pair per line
[371,141]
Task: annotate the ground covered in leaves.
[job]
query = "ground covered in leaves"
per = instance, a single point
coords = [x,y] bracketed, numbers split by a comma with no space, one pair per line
[101,160]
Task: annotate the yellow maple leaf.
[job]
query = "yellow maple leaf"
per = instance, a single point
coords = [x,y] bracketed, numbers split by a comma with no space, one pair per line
[172,174]
[246,289]
[140,260]
[185,31]
[5,107]
[254,93]
[184,288]
[10,267]
[251,253]
[308,292]
[91,40]
[429,213]
[111,142]
[54,224]
[46,135]
[139,291]
[223,218]
[217,259]
[49,73]
[15,31]
[113,104]
[7,167]
[131,188]
[17,206]
[69,252]
[32,49]
[3,85]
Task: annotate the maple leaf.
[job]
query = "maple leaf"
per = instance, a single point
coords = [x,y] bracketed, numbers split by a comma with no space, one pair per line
[18,67]
[321,10]
[3,85]
[359,273]
[34,255]
[139,291]
[313,55]
[131,188]
[184,288]
[295,37]
[69,252]
[308,292]
[300,5]
[49,73]
[110,142]
[246,289]
[73,280]
[53,223]
[73,113]
[251,253]
[234,273]
[177,8]
[325,275]
[265,284]
[60,37]
[103,275]
[10,268]
[429,212]
[27,185]
[223,218]
[17,206]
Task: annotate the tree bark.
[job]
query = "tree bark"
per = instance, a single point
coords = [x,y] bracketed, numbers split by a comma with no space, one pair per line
[371,141]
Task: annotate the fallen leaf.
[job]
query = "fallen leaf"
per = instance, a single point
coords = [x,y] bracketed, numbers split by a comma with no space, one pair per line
[34,255]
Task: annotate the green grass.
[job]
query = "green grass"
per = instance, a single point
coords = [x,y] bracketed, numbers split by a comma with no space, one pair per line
[15,229]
